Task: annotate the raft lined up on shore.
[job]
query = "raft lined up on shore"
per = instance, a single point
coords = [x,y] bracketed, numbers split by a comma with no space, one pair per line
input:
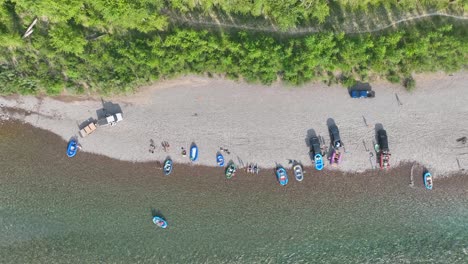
[317,152]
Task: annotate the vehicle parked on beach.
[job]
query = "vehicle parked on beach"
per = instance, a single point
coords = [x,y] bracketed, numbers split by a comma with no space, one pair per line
[72,148]
[382,149]
[160,222]
[90,128]
[298,171]
[362,94]
[281,175]
[167,168]
[428,180]
[335,136]
[110,120]
[230,170]
[336,154]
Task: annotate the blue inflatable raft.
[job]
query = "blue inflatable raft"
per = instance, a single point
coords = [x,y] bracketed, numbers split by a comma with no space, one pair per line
[72,148]
[220,159]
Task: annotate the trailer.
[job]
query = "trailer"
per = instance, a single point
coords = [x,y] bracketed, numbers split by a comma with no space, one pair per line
[90,128]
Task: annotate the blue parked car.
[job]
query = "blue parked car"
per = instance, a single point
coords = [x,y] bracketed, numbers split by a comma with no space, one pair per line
[362,94]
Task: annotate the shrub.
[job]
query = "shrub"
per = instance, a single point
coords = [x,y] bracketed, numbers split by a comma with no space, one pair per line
[410,83]
[393,77]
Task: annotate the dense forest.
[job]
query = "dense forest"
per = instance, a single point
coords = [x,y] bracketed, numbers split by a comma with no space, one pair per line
[105,46]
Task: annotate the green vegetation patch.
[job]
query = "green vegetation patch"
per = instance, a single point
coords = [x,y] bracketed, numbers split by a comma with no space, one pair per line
[112,48]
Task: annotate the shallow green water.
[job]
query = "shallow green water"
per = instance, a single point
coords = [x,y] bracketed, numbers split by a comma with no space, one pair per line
[92,209]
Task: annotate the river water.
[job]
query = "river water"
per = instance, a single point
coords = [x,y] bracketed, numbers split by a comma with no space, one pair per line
[92,209]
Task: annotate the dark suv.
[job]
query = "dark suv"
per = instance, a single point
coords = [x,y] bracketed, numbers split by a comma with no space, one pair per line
[383,140]
[314,145]
[335,136]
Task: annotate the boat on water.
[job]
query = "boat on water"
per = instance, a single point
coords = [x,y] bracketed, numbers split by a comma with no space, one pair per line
[281,175]
[230,170]
[159,221]
[220,159]
[193,152]
[318,161]
[428,180]
[298,172]
[72,148]
[167,168]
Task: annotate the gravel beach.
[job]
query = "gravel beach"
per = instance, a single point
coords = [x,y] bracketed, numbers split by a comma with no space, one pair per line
[267,124]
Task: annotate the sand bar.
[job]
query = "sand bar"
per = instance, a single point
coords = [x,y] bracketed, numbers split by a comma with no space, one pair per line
[268,124]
